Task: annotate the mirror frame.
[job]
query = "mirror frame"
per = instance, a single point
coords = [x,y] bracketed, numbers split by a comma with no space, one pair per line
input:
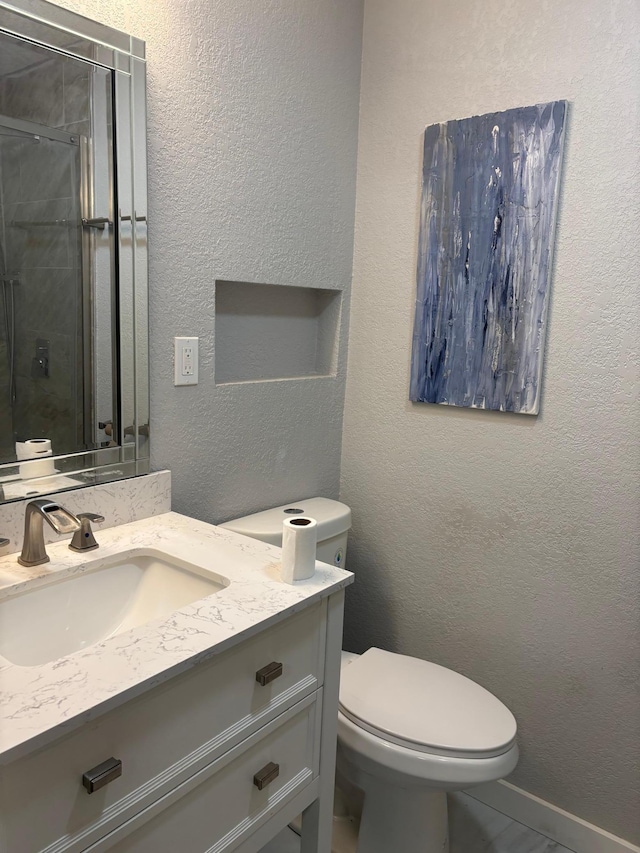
[50,26]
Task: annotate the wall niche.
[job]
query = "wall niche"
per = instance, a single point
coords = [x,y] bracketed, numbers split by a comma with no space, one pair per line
[269,331]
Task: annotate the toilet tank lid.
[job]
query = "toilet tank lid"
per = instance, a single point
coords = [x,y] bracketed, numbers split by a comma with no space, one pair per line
[333,517]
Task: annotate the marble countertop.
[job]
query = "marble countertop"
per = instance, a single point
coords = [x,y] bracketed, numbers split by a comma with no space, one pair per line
[41,703]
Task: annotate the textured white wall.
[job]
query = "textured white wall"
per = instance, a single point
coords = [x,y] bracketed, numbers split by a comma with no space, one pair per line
[508,547]
[252,138]
[505,547]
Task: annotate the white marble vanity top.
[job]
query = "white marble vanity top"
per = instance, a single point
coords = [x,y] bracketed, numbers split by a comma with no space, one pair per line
[40,703]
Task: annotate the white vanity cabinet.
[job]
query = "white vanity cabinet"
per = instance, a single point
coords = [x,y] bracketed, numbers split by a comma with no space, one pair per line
[218,758]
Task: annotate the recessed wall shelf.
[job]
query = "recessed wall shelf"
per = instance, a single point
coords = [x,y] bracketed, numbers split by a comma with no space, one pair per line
[270,331]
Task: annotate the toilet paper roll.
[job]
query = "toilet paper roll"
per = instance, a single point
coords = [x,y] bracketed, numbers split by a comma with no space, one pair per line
[299,543]
[37,468]
[40,451]
[33,448]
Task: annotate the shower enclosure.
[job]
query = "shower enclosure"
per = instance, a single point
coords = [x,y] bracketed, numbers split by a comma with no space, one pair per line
[56,255]
[40,187]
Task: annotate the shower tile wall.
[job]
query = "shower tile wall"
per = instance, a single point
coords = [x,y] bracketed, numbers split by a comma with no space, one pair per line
[39,183]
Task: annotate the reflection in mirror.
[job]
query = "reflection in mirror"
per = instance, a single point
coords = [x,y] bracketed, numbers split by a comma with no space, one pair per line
[74,385]
[57,335]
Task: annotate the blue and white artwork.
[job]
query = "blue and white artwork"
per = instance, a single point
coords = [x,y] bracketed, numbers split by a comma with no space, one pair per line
[489,200]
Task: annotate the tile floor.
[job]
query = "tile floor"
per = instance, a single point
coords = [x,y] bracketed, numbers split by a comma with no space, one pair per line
[475,828]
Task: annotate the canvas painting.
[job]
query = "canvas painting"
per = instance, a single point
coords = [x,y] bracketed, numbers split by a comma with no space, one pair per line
[489,200]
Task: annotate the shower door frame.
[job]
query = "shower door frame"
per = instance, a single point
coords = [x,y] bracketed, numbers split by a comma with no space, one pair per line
[32,129]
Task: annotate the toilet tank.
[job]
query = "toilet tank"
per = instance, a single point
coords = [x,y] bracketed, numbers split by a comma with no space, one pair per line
[333,518]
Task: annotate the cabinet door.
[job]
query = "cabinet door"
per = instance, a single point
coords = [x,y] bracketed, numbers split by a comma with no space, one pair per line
[227,801]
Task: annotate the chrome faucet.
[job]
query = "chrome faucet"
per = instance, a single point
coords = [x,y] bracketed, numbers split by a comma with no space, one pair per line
[56,516]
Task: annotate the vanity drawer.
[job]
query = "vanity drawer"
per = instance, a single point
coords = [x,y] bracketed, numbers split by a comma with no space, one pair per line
[222,804]
[162,738]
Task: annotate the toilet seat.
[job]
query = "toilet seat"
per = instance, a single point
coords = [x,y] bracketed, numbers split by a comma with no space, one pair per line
[406,767]
[420,706]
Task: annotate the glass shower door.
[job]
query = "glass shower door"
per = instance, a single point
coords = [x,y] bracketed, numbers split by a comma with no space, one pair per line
[42,351]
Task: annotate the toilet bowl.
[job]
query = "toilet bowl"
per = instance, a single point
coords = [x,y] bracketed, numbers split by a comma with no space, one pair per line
[408,730]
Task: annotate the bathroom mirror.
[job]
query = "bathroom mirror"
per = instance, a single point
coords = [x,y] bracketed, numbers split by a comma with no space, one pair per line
[74,389]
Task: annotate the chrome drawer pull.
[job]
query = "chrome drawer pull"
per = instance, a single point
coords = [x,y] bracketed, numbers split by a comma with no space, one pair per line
[102,774]
[268,773]
[269,673]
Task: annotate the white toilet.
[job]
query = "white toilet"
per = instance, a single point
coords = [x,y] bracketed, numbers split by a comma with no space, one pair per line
[408,730]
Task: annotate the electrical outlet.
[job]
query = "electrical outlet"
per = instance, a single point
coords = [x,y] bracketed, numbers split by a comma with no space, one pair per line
[185,361]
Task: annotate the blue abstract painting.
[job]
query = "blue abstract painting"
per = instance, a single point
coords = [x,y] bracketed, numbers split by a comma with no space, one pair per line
[489,200]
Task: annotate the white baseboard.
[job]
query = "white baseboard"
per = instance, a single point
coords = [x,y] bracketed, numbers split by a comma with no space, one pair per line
[560,826]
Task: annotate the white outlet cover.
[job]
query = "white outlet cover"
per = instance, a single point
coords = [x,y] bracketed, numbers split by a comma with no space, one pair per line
[185,370]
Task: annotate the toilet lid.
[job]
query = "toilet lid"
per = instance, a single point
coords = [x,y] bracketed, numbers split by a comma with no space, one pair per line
[423,706]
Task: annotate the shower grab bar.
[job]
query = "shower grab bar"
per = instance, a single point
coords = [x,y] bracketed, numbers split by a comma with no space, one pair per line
[100,222]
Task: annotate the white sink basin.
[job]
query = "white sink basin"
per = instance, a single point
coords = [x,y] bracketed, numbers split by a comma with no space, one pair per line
[110,596]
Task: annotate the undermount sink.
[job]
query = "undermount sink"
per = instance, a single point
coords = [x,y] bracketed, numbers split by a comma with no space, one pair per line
[108,597]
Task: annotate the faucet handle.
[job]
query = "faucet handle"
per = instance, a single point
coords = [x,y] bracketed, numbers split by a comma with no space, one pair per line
[83,539]
[91,516]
